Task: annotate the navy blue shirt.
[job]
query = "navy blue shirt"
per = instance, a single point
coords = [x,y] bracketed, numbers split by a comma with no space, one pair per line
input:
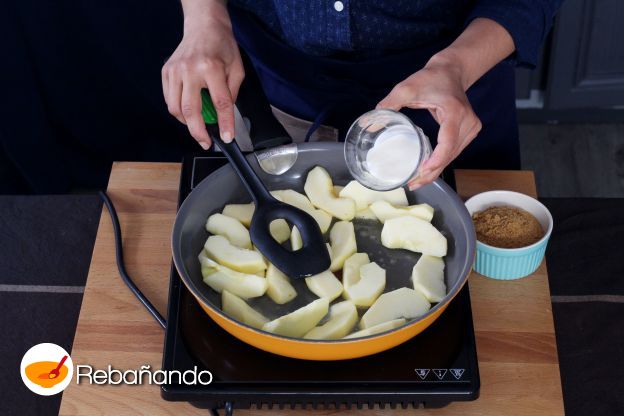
[373,27]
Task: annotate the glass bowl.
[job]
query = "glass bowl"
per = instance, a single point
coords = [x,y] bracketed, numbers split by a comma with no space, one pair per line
[379,125]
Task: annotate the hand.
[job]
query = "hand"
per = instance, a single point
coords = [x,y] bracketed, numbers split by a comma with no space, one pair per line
[207,57]
[439,88]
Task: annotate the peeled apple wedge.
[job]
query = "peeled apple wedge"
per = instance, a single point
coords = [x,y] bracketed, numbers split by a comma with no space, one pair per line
[342,318]
[279,230]
[322,218]
[365,214]
[363,196]
[377,329]
[298,323]
[238,309]
[242,212]
[295,239]
[230,228]
[371,284]
[337,189]
[414,234]
[343,244]
[221,278]
[329,250]
[225,253]
[294,198]
[384,211]
[324,285]
[296,242]
[319,188]
[400,303]
[279,288]
[302,202]
[428,278]
[351,269]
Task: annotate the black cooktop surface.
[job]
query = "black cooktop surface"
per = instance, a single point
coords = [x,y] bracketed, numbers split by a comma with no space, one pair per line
[432,369]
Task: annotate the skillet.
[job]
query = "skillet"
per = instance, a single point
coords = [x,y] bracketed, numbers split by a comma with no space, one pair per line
[223,186]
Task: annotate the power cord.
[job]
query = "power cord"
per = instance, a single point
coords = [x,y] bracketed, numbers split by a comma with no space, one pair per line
[228,408]
[121,266]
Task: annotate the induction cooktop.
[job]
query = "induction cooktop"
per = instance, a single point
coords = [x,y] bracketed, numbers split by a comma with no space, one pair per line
[432,369]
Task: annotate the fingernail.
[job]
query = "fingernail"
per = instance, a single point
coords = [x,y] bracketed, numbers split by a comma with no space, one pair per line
[204,145]
[415,186]
[226,136]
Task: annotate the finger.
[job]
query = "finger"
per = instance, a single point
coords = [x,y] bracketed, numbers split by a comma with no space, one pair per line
[471,131]
[394,100]
[422,180]
[448,141]
[222,101]
[191,111]
[164,76]
[235,79]
[404,95]
[174,96]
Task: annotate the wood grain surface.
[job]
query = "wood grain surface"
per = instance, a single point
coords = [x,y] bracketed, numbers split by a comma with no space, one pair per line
[513,319]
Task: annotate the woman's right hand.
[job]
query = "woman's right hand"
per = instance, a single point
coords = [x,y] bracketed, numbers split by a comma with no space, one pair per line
[207,57]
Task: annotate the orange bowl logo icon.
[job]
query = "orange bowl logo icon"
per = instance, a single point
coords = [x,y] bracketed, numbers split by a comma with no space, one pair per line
[46,369]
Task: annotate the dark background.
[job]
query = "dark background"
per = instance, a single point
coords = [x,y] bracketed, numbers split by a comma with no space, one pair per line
[81,88]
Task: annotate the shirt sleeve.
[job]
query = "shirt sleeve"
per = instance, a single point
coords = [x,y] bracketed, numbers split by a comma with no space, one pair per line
[527,21]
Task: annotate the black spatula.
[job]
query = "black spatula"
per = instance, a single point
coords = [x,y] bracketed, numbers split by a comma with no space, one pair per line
[313,257]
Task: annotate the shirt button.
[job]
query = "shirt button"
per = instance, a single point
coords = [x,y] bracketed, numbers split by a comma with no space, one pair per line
[339,6]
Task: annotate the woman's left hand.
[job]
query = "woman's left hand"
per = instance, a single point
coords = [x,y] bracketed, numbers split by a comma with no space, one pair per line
[439,88]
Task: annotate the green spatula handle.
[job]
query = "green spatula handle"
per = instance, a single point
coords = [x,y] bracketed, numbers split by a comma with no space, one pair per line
[235,156]
[208,111]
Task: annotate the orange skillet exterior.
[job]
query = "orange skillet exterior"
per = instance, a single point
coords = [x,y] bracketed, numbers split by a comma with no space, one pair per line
[319,350]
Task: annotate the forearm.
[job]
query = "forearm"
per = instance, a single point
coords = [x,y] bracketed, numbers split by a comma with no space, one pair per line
[482,45]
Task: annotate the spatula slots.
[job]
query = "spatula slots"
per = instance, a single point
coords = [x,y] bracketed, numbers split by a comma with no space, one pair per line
[313,257]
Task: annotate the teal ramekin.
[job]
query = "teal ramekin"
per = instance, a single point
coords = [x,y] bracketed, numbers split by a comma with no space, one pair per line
[510,263]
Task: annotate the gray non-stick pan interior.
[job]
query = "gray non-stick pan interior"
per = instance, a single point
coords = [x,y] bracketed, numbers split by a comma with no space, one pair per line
[223,187]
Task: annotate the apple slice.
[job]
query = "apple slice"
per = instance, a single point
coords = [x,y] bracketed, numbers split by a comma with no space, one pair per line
[363,196]
[342,318]
[279,288]
[242,212]
[371,284]
[324,285]
[295,239]
[238,309]
[302,202]
[428,278]
[322,218]
[294,198]
[296,324]
[279,230]
[343,244]
[366,214]
[319,188]
[242,260]
[384,211]
[230,228]
[351,269]
[414,234]
[219,278]
[336,189]
[377,329]
[400,303]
